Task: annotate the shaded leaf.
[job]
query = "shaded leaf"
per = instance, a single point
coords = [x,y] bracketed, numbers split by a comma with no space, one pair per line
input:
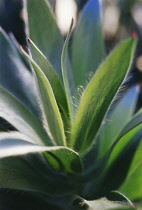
[87,49]
[15,113]
[59,158]
[119,117]
[120,160]
[30,173]
[17,78]
[99,94]
[44,32]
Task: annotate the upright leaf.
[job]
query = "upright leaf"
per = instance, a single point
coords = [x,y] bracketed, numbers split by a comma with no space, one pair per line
[52,112]
[99,94]
[44,32]
[54,81]
[115,122]
[132,187]
[87,49]
[67,74]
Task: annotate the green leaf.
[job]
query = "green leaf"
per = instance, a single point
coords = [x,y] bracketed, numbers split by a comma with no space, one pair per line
[134,122]
[132,187]
[19,116]
[52,113]
[59,158]
[99,94]
[44,32]
[119,160]
[66,72]
[16,78]
[115,122]
[32,173]
[87,51]
[54,81]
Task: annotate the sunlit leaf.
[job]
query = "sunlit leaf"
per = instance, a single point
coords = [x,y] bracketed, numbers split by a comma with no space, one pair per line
[55,82]
[52,113]
[98,95]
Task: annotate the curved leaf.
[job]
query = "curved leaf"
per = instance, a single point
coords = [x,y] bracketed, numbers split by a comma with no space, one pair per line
[52,113]
[20,117]
[99,94]
[54,81]
[31,173]
[59,158]
[44,32]
[87,50]
[17,78]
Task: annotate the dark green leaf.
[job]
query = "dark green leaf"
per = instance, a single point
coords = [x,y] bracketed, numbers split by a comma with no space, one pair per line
[17,78]
[32,173]
[99,94]
[113,175]
[59,158]
[44,32]
[14,112]
[87,49]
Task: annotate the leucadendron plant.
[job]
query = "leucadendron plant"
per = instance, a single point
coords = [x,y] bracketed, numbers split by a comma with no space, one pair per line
[73,148]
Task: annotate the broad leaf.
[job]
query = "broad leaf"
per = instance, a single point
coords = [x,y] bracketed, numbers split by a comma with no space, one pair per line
[119,117]
[15,113]
[32,173]
[44,32]
[59,158]
[87,49]
[52,113]
[99,94]
[17,78]
[54,81]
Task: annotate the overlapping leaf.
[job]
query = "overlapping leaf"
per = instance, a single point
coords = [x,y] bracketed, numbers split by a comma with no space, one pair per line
[59,158]
[54,81]
[52,113]
[17,78]
[14,112]
[99,94]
